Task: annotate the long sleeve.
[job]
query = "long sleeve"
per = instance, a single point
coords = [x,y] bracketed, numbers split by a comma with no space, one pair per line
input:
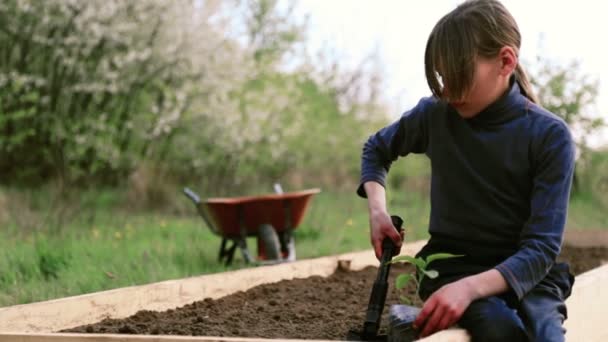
[407,135]
[541,237]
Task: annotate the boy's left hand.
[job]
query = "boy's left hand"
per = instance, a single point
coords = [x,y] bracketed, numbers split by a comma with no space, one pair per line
[444,307]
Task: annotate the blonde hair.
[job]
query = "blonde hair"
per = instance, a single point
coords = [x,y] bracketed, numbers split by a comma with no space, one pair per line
[475,28]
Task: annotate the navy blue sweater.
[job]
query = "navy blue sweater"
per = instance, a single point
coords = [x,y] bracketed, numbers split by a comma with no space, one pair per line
[500,181]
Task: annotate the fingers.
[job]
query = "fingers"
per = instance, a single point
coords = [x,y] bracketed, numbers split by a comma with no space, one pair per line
[435,315]
[446,321]
[432,323]
[382,227]
[393,234]
[424,314]
[390,232]
[398,249]
[377,248]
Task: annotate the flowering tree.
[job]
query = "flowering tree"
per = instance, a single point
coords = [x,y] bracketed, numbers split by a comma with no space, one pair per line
[572,95]
[97,89]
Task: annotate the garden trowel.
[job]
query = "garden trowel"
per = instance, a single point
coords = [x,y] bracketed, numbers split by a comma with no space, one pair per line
[379,290]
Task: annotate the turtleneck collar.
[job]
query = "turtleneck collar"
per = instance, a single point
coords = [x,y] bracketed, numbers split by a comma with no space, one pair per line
[506,108]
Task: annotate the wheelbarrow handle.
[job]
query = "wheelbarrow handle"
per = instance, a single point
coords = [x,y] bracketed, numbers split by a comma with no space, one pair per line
[192,195]
[197,201]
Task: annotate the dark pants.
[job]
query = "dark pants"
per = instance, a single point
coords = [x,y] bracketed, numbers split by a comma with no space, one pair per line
[538,316]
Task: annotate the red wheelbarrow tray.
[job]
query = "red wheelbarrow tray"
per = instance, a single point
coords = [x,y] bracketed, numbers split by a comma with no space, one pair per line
[274,209]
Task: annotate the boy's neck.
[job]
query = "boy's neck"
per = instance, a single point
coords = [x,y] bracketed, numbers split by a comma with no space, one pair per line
[503,87]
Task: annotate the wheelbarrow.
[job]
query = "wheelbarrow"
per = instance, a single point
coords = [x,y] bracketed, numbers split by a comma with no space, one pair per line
[271,218]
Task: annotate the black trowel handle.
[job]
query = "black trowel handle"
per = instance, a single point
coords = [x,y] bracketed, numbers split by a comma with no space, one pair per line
[380,287]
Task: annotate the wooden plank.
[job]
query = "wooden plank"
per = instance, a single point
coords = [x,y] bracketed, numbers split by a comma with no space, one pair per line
[588,307]
[449,335]
[55,315]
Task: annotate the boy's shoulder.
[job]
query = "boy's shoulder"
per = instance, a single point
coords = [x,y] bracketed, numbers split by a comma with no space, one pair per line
[545,118]
[548,126]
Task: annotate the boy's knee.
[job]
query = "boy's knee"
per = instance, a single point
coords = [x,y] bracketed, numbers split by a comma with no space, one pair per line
[543,313]
[492,320]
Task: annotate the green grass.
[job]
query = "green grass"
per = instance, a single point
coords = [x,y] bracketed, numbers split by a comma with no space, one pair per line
[109,248]
[51,251]
[586,212]
[113,252]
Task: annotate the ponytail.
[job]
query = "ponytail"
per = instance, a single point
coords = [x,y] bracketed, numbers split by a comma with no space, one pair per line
[524,84]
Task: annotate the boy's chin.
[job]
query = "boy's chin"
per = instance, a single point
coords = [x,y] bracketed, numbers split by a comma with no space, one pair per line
[466,113]
[464,109]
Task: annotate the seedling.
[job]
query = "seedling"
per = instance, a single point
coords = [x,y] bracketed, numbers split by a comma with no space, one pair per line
[421,265]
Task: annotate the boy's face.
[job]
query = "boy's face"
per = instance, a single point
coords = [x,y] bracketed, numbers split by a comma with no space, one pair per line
[488,85]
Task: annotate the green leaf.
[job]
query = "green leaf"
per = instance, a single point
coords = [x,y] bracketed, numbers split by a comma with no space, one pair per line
[431,273]
[405,300]
[439,256]
[402,280]
[419,262]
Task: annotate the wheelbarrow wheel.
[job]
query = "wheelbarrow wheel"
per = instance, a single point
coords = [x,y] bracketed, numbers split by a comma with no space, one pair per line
[269,242]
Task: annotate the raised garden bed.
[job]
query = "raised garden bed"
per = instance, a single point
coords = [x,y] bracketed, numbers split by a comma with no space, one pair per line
[311,308]
[264,303]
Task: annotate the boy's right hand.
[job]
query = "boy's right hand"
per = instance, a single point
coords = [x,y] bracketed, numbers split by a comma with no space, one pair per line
[381,226]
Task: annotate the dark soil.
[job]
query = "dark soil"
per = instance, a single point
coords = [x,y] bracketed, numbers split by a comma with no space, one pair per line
[311,308]
[583,259]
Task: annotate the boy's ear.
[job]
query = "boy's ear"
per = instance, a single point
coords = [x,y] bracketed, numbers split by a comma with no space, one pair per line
[508,60]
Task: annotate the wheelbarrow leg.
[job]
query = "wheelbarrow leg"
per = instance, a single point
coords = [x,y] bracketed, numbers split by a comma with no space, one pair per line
[223,250]
[288,245]
[227,252]
[242,241]
[230,253]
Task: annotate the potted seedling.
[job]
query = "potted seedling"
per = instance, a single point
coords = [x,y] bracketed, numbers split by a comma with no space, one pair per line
[402,316]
